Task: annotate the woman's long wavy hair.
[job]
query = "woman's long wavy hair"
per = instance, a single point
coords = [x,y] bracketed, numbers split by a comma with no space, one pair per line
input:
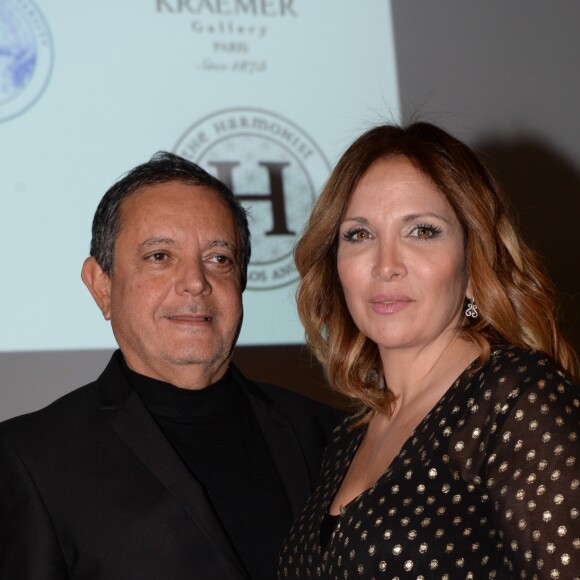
[514,296]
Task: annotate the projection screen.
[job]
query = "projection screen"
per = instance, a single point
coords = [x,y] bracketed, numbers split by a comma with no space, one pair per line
[264,94]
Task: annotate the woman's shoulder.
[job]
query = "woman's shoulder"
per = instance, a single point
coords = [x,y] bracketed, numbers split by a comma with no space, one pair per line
[525,364]
[513,373]
[516,400]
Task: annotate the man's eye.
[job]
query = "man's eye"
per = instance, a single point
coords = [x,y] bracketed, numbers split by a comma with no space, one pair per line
[157,256]
[221,259]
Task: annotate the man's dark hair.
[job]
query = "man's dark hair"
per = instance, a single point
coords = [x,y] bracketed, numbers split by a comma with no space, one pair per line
[161,168]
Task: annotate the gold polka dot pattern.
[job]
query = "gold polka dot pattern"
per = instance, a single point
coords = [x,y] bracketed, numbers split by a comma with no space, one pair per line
[486,487]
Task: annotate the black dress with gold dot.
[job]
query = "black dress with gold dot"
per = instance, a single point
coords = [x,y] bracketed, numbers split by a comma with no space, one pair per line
[487,486]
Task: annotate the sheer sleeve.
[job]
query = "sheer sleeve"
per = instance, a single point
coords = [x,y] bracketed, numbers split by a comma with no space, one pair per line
[532,471]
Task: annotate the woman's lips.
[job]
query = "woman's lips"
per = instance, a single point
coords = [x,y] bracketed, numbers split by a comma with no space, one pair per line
[390,303]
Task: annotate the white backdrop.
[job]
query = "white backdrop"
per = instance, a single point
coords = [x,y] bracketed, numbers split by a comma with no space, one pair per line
[90,89]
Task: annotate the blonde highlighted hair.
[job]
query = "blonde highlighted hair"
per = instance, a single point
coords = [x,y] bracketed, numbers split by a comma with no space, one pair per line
[514,296]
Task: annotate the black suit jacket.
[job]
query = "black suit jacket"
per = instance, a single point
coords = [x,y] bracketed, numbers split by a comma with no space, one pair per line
[91,488]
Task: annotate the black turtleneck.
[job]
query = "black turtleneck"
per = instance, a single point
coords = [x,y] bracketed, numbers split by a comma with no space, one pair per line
[217,436]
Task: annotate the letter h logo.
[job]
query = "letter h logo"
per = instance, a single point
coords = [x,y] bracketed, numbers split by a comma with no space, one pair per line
[275,197]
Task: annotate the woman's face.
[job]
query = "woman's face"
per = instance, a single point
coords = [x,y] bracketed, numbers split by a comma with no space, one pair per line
[401,258]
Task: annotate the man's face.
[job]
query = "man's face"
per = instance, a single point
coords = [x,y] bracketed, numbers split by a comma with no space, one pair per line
[175,294]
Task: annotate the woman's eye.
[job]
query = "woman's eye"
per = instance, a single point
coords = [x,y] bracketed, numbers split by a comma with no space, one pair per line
[356,235]
[425,231]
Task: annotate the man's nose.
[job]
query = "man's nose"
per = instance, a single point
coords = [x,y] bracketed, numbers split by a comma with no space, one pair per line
[192,278]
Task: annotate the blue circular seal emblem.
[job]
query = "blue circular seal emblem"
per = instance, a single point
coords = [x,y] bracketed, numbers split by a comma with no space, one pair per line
[26,56]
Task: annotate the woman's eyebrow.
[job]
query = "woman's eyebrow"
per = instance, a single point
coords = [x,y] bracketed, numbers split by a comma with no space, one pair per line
[427,214]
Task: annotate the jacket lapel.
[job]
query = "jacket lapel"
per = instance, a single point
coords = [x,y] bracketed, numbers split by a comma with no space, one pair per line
[134,424]
[283,444]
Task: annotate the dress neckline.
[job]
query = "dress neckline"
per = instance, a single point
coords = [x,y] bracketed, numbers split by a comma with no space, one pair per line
[457,383]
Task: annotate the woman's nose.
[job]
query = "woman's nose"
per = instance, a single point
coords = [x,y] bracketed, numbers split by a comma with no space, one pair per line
[390,261]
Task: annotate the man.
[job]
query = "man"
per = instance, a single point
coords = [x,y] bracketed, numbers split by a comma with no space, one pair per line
[172,464]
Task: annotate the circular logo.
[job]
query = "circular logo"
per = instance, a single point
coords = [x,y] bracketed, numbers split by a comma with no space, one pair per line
[275,170]
[25,56]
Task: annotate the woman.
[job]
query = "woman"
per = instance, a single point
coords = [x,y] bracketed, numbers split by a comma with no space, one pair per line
[424,305]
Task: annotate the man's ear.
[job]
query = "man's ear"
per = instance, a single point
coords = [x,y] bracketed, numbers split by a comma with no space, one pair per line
[99,284]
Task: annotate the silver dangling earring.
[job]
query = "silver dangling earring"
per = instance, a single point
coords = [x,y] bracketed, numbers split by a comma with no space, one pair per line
[471,309]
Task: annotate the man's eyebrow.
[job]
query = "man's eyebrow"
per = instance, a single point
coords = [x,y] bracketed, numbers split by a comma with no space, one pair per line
[222,244]
[158,242]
